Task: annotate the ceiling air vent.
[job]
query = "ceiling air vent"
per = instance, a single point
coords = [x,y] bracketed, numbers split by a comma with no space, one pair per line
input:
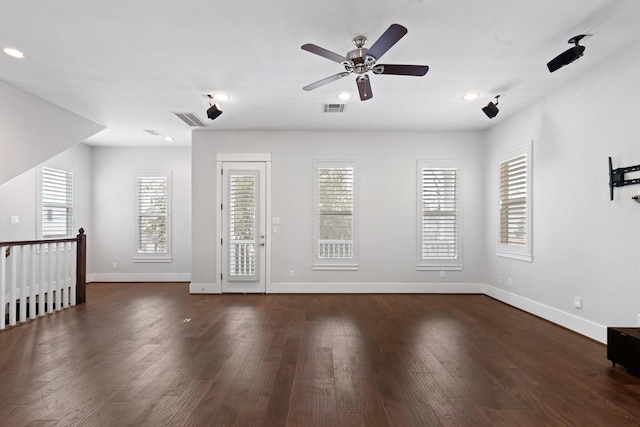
[190,119]
[333,108]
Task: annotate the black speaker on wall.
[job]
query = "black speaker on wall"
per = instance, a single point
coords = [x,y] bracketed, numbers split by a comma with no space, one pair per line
[568,56]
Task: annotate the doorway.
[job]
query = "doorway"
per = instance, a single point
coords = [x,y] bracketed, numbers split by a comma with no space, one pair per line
[243,254]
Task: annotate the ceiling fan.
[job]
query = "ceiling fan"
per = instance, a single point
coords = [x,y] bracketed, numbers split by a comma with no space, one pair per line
[361,60]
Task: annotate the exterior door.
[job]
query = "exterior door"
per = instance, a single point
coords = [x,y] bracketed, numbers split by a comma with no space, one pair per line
[243,227]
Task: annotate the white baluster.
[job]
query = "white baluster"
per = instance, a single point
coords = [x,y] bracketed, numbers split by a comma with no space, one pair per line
[34,281]
[59,277]
[22,295]
[3,285]
[15,252]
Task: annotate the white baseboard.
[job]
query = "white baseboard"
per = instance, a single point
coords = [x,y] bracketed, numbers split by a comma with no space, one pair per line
[138,277]
[375,288]
[577,324]
[205,288]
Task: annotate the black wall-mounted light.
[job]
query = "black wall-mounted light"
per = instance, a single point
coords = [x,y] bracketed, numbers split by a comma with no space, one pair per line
[491,109]
[569,55]
[214,109]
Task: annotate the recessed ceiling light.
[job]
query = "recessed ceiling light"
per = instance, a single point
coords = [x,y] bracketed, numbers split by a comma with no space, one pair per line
[220,97]
[343,96]
[14,53]
[168,139]
[470,96]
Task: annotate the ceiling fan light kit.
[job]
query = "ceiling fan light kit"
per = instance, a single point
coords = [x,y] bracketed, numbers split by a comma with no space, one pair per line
[361,60]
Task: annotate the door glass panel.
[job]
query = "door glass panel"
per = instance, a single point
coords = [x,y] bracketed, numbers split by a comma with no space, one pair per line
[243,225]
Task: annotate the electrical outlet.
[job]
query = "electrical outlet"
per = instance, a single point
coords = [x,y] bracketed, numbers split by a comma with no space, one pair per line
[509,282]
[114,265]
[442,273]
[577,302]
[292,273]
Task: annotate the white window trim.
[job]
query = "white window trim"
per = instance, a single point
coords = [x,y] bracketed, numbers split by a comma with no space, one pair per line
[160,257]
[524,252]
[39,198]
[334,263]
[430,265]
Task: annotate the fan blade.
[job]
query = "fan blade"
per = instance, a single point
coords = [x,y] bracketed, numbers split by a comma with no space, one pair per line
[364,87]
[326,80]
[390,37]
[401,70]
[323,52]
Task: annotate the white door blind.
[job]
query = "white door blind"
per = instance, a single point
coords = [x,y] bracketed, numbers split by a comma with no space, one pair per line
[152,214]
[335,212]
[439,214]
[513,201]
[243,226]
[57,203]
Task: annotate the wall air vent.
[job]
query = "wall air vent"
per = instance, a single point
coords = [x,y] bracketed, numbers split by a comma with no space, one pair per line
[333,108]
[190,119]
[152,132]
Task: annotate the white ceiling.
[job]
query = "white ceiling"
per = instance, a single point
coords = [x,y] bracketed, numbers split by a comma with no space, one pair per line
[129,64]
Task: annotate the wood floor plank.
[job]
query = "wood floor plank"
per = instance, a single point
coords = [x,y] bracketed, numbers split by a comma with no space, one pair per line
[150,354]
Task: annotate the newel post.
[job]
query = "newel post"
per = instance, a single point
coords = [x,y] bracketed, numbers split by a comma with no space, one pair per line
[81,267]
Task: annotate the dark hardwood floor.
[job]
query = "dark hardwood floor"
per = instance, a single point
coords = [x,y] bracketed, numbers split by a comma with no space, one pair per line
[131,357]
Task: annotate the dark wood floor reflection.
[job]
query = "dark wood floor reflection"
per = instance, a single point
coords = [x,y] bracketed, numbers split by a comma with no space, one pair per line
[153,355]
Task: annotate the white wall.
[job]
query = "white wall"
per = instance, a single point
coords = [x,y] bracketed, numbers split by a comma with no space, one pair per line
[114,213]
[19,196]
[33,130]
[387,163]
[583,244]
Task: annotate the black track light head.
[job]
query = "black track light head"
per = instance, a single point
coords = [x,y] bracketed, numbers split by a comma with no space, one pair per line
[569,55]
[491,109]
[214,111]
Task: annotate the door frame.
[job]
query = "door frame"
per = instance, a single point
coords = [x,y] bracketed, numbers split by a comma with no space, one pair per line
[243,157]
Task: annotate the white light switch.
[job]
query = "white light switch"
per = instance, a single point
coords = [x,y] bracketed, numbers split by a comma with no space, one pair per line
[275,220]
[15,219]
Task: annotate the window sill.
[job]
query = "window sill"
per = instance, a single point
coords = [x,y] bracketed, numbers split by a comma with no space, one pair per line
[152,259]
[435,267]
[513,255]
[337,267]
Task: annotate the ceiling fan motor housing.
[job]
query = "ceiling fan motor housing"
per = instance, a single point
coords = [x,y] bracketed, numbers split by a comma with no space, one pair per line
[356,61]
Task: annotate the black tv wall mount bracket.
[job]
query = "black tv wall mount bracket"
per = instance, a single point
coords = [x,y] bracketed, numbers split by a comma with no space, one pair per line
[616,177]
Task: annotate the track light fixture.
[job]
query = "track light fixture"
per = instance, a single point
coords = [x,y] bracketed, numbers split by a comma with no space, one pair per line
[214,109]
[569,55]
[491,109]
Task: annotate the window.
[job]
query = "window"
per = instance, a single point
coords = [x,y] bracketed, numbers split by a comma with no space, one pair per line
[438,216]
[515,204]
[335,216]
[57,203]
[153,218]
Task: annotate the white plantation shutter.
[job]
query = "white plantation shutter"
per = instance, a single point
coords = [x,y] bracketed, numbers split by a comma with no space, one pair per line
[243,225]
[57,203]
[438,215]
[335,213]
[513,201]
[514,239]
[153,214]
